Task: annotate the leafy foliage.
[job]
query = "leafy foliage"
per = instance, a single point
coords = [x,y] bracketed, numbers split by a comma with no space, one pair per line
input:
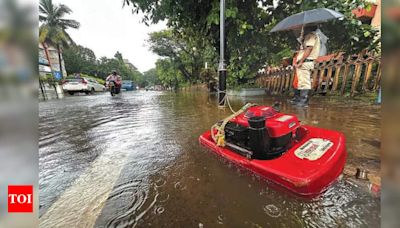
[183,52]
[249,44]
[54,25]
[151,77]
[79,59]
[168,74]
[350,34]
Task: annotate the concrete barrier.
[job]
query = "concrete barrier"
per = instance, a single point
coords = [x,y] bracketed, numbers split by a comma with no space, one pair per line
[245,92]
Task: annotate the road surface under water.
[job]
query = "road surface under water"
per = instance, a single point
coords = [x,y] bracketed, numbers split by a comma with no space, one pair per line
[135,160]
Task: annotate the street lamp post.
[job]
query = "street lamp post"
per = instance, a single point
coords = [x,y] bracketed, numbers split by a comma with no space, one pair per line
[222,65]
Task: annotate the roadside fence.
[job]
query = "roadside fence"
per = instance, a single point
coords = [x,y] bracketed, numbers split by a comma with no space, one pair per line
[336,74]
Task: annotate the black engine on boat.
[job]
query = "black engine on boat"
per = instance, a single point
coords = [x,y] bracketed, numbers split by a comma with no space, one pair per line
[254,141]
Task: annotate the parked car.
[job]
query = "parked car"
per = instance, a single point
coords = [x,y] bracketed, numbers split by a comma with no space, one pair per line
[86,85]
[128,85]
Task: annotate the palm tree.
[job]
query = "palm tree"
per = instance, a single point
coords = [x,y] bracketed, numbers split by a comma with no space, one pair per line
[54,26]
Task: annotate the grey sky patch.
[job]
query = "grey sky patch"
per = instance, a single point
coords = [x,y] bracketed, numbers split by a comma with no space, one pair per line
[107,27]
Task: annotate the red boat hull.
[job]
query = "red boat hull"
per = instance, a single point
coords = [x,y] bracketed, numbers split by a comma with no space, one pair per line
[299,175]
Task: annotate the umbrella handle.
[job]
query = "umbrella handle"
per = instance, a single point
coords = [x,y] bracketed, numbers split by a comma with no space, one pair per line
[302,37]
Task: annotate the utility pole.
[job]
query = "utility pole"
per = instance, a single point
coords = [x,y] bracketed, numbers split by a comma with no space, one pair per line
[222,65]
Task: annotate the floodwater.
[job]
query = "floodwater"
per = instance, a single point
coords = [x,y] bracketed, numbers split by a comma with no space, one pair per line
[134,160]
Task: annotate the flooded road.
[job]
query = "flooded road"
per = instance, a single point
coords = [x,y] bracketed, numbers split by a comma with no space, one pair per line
[135,160]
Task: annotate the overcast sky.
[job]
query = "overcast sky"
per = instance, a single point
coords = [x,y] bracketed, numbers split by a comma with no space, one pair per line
[106,28]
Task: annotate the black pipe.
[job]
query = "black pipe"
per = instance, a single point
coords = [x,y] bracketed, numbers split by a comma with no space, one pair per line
[259,140]
[222,66]
[221,87]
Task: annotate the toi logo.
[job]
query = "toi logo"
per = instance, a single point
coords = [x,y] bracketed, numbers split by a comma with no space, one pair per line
[20,198]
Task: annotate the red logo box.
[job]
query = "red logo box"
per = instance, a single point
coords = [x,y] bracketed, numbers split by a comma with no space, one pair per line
[20,198]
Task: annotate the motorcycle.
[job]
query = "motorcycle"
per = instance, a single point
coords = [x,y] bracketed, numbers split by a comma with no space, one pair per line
[114,87]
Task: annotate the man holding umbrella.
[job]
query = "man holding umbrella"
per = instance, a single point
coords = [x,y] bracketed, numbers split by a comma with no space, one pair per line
[310,46]
[304,64]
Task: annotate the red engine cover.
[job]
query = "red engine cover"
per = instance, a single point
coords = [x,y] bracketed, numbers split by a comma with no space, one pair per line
[312,163]
[278,124]
[300,175]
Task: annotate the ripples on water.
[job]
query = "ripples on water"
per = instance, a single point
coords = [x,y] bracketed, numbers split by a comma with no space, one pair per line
[135,160]
[140,202]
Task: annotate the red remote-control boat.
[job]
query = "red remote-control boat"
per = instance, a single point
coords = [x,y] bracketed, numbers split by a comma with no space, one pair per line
[301,158]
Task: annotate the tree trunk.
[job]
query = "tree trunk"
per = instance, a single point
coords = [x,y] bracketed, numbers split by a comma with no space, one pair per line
[46,51]
[42,90]
[60,60]
[185,73]
[176,85]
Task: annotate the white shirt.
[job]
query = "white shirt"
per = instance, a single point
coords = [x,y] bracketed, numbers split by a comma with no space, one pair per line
[112,77]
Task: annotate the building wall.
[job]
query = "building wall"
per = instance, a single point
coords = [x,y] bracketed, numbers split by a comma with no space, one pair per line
[53,58]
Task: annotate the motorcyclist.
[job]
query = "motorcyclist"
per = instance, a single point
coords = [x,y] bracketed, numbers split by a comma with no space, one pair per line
[116,78]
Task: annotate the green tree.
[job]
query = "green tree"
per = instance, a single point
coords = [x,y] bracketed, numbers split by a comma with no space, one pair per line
[168,74]
[249,44]
[106,65]
[348,35]
[122,68]
[80,59]
[141,81]
[181,50]
[54,25]
[151,77]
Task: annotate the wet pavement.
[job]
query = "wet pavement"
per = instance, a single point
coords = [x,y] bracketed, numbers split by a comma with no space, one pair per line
[135,160]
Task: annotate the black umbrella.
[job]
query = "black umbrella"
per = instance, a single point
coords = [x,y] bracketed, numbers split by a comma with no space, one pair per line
[313,16]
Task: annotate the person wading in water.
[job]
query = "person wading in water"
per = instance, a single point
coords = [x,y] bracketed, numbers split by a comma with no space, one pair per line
[304,64]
